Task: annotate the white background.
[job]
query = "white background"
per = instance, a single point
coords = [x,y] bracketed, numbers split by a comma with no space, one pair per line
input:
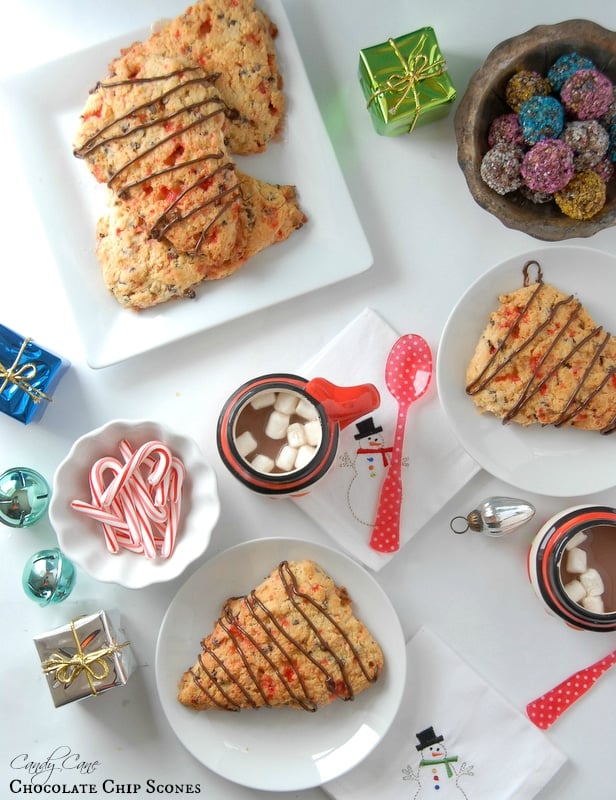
[429,241]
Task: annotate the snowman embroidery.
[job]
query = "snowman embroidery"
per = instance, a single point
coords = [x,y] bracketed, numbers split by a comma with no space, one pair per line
[368,466]
[437,774]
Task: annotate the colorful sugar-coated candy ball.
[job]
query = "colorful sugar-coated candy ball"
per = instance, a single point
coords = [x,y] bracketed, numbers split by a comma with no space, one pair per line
[565,66]
[605,169]
[587,94]
[538,198]
[500,168]
[609,118]
[548,166]
[522,86]
[583,197]
[505,128]
[611,149]
[541,118]
[589,141]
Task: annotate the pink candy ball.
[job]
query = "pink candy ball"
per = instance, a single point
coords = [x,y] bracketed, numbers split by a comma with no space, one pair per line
[506,128]
[587,94]
[548,166]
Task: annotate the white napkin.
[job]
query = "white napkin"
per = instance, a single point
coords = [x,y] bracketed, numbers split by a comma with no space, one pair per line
[493,751]
[435,466]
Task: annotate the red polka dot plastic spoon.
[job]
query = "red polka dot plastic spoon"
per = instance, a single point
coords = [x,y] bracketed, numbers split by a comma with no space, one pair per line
[547,709]
[407,374]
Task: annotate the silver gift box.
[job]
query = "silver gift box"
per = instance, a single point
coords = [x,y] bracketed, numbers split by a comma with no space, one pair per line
[85,657]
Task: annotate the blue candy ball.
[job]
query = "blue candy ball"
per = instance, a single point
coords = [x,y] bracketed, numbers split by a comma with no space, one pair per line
[611,150]
[565,66]
[541,118]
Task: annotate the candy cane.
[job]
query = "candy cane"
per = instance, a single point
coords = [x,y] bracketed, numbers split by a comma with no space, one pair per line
[97,488]
[137,502]
[98,513]
[175,487]
[139,483]
[144,451]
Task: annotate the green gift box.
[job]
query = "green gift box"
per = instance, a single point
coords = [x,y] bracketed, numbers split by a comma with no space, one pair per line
[405,82]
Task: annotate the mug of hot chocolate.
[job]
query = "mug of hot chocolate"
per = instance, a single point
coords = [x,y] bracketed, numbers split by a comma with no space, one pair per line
[572,566]
[278,433]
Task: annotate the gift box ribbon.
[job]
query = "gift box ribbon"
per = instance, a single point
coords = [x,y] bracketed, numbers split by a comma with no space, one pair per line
[416,68]
[94,664]
[21,376]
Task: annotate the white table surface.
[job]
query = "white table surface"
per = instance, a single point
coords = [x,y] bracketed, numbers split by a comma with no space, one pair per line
[429,241]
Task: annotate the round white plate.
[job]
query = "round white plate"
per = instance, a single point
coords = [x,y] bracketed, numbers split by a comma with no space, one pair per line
[562,462]
[277,749]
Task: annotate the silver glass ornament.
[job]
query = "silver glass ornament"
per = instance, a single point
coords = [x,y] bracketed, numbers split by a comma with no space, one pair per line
[495,517]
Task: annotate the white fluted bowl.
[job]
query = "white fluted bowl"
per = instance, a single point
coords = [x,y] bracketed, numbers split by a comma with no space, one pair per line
[81,538]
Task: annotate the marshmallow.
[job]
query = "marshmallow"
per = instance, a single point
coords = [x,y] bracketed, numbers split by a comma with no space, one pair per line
[592,582]
[286,402]
[277,425]
[263,400]
[575,590]
[306,410]
[296,435]
[579,538]
[286,458]
[576,560]
[593,603]
[245,443]
[262,463]
[313,432]
[304,455]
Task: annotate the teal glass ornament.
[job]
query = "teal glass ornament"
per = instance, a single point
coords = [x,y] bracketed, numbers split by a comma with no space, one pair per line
[48,577]
[24,497]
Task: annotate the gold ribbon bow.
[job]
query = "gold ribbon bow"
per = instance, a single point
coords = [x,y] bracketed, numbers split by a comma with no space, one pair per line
[94,664]
[22,376]
[416,69]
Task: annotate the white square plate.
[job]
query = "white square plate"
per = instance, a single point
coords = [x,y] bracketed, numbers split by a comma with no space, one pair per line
[45,104]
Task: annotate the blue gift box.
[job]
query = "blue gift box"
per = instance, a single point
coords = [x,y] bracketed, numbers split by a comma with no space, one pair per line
[28,376]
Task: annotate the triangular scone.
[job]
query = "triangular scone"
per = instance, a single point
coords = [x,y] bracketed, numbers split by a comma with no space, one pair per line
[293,641]
[142,272]
[236,40]
[542,359]
[156,136]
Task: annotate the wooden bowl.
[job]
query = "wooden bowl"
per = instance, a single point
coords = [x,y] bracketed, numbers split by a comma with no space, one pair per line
[484,99]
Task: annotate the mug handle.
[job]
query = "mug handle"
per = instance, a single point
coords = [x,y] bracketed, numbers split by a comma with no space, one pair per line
[344,404]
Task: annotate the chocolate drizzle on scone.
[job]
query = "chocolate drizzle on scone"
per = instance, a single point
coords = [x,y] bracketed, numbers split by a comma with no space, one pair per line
[158,113]
[279,645]
[542,359]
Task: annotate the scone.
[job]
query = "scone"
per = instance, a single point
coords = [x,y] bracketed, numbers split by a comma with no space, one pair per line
[292,641]
[542,359]
[237,41]
[156,137]
[142,272]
